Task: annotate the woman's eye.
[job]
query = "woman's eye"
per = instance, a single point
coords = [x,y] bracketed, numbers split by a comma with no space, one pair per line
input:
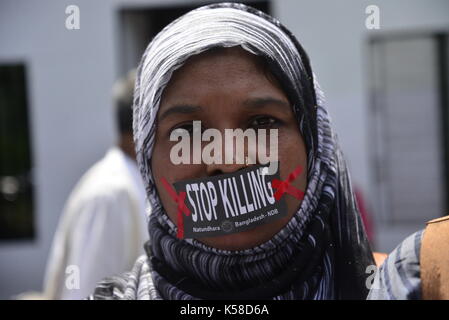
[264,122]
[188,126]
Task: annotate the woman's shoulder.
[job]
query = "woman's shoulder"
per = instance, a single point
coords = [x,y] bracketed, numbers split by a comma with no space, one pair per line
[132,285]
[399,276]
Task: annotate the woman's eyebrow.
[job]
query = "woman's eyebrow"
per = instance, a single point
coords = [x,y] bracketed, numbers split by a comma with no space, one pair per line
[265,101]
[179,109]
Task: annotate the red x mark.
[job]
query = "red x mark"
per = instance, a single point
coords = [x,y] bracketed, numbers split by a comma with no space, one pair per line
[285,186]
[182,208]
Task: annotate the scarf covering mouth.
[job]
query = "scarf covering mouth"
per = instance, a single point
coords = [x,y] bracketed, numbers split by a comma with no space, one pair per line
[321,253]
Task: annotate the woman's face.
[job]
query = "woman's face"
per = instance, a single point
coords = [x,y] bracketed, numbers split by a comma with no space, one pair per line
[227,89]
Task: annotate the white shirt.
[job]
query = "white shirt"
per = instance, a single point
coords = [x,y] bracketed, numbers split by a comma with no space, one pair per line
[101,231]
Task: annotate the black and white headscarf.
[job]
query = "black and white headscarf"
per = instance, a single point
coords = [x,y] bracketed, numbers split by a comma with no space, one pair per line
[322,252]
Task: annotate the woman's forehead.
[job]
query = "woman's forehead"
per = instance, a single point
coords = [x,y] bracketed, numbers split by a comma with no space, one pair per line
[227,59]
[222,72]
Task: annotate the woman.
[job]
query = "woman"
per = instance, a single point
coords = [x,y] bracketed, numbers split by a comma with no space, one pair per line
[231,66]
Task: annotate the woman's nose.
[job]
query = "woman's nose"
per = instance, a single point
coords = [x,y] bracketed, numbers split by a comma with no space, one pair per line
[233,157]
[216,169]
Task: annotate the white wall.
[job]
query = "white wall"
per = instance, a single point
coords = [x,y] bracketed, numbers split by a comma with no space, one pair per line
[334,35]
[71,72]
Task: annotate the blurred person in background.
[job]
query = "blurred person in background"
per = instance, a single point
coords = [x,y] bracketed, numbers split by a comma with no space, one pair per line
[103,227]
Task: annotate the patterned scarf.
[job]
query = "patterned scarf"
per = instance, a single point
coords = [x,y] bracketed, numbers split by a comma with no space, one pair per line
[322,252]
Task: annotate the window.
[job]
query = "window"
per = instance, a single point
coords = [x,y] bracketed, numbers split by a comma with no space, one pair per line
[409,118]
[409,132]
[139,25]
[16,188]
